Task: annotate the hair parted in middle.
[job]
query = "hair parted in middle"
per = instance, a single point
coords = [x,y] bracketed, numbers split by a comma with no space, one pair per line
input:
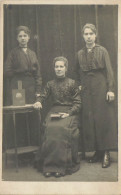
[61,58]
[91,26]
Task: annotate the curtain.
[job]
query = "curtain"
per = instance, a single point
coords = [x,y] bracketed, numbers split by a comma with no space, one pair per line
[56,30]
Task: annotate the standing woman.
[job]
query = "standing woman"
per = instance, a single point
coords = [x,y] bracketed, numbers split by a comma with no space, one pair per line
[22,64]
[97,86]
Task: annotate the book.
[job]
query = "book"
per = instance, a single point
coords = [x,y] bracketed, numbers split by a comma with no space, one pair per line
[55,116]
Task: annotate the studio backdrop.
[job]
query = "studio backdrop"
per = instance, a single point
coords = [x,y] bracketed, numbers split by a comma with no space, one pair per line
[56,31]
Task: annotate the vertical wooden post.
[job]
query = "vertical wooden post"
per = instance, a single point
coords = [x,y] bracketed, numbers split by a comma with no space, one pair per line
[75,31]
[38,38]
[96,19]
[60,32]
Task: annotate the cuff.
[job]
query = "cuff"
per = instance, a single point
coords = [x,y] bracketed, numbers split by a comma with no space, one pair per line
[37,95]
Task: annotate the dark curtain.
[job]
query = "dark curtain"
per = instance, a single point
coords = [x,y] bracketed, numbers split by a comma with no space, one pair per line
[56,30]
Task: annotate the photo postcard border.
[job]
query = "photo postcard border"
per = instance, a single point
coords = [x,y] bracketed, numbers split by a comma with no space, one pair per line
[59,187]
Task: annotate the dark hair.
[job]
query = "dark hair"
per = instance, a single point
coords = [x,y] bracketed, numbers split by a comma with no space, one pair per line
[23,28]
[61,58]
[91,26]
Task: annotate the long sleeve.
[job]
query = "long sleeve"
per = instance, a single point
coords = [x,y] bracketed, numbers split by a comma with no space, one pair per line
[76,98]
[77,70]
[8,66]
[45,94]
[37,76]
[64,92]
[26,63]
[109,71]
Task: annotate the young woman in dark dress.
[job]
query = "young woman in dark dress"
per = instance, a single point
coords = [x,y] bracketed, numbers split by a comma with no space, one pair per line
[22,64]
[97,86]
[58,154]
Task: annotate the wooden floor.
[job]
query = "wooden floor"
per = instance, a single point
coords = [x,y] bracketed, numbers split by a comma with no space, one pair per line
[87,173]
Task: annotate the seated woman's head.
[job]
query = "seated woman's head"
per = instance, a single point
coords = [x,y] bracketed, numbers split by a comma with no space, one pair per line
[60,66]
[23,35]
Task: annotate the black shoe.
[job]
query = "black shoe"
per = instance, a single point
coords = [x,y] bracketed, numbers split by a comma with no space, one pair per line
[106,160]
[58,174]
[47,174]
[97,157]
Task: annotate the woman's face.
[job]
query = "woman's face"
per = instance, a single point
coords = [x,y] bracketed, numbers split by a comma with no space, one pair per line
[60,69]
[89,36]
[23,38]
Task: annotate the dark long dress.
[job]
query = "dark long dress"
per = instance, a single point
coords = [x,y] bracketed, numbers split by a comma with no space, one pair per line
[22,66]
[59,150]
[25,67]
[98,117]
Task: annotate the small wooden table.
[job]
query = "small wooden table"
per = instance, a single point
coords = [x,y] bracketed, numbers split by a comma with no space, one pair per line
[20,150]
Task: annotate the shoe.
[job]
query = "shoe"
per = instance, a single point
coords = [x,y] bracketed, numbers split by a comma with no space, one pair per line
[97,157]
[47,174]
[106,160]
[58,174]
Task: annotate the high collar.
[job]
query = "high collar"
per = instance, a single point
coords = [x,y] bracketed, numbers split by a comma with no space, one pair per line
[91,47]
[22,47]
[85,48]
[60,78]
[96,45]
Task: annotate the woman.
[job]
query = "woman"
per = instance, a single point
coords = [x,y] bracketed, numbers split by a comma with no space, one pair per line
[22,65]
[59,152]
[97,88]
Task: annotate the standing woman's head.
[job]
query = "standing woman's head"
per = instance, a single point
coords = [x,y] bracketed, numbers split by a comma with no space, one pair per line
[89,34]
[23,35]
[60,66]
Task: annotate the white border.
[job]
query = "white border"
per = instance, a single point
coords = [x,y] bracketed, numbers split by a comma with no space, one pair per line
[69,188]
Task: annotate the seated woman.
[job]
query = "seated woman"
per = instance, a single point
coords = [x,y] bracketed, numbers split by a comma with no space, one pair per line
[58,154]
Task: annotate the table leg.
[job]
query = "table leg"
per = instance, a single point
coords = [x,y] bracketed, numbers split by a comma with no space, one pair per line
[28,129]
[4,138]
[15,142]
[39,119]
[6,158]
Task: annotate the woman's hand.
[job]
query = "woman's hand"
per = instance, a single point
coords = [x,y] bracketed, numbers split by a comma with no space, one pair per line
[63,114]
[110,96]
[37,105]
[80,87]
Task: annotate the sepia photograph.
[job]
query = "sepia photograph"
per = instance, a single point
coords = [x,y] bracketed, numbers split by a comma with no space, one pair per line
[60,97]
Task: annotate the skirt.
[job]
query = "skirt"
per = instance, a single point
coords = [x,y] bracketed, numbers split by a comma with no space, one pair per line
[59,148]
